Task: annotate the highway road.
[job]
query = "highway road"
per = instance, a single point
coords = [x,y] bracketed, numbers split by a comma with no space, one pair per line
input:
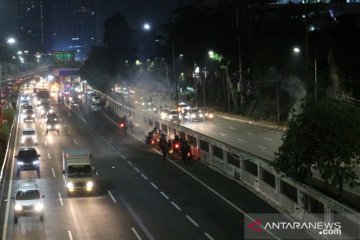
[138,196]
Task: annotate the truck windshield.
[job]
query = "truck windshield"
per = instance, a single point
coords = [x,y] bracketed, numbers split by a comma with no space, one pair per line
[79,171]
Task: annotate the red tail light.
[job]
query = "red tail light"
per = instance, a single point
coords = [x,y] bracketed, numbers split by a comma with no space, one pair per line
[176,145]
[121,125]
[152,142]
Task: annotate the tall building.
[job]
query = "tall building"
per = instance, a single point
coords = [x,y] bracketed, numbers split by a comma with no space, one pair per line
[31,24]
[82,27]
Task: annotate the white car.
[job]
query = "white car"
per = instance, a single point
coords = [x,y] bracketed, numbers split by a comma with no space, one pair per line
[28,135]
[28,202]
[172,115]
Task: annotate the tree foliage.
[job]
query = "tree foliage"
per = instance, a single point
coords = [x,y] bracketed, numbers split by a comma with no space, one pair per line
[325,136]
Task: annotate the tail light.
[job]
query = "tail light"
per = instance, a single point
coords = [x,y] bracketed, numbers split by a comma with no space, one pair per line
[152,142]
[177,145]
[188,154]
[121,125]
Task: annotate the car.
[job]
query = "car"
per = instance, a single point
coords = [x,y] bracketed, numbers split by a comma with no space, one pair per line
[209,115]
[26,107]
[74,101]
[194,115]
[29,115]
[52,124]
[28,135]
[163,110]
[25,97]
[172,115]
[27,159]
[28,202]
[96,99]
[52,116]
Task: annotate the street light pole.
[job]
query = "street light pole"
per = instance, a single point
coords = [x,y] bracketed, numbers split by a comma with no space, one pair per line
[174,74]
[315,79]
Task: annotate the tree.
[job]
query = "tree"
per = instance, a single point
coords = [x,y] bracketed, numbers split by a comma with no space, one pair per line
[325,136]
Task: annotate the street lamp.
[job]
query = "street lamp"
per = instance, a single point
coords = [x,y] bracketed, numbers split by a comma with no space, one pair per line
[297,50]
[146,26]
[218,57]
[9,41]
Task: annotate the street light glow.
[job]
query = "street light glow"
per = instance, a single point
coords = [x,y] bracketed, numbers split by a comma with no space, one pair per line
[11,40]
[296,50]
[146,26]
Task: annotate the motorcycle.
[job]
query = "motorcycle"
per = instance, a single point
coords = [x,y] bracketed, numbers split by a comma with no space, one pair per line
[123,126]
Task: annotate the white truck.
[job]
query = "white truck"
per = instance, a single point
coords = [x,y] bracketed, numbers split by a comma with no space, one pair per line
[78,170]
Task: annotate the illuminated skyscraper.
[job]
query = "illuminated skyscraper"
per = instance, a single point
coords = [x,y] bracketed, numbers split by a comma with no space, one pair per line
[82,26]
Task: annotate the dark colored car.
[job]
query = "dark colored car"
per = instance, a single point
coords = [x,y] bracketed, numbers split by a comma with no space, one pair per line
[52,124]
[29,115]
[27,159]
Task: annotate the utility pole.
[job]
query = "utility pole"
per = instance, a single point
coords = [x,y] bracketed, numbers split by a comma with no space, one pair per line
[278,101]
[203,83]
[315,78]
[240,67]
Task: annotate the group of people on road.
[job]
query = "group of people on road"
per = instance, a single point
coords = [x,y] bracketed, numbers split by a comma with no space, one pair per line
[174,148]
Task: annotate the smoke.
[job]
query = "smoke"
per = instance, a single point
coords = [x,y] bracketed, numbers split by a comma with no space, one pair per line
[297,92]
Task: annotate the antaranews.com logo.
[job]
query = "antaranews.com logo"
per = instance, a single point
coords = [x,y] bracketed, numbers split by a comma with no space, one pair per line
[276,226]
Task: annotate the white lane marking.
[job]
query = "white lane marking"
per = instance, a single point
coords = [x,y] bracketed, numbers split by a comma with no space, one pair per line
[112,197]
[241,140]
[69,132]
[176,206]
[145,177]
[136,234]
[250,133]
[208,236]
[130,163]
[70,235]
[123,157]
[269,139]
[232,128]
[261,147]
[165,196]
[153,184]
[61,201]
[45,143]
[192,220]
[137,219]
[49,156]
[53,172]
[222,134]
[75,142]
[222,197]
[136,169]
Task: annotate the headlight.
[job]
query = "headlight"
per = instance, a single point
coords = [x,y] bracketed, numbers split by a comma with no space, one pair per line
[89,185]
[39,102]
[57,126]
[39,207]
[35,162]
[32,115]
[70,185]
[200,115]
[20,163]
[42,111]
[18,207]
[192,115]
[70,98]
[170,117]
[210,115]
[48,127]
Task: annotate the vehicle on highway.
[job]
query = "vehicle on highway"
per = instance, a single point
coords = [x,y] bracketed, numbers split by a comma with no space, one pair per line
[194,114]
[25,97]
[27,159]
[28,135]
[163,110]
[51,116]
[172,115]
[78,170]
[209,116]
[26,107]
[28,202]
[42,96]
[52,124]
[96,99]
[28,115]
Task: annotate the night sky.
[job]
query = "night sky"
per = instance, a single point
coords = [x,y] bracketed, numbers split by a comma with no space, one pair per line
[136,12]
